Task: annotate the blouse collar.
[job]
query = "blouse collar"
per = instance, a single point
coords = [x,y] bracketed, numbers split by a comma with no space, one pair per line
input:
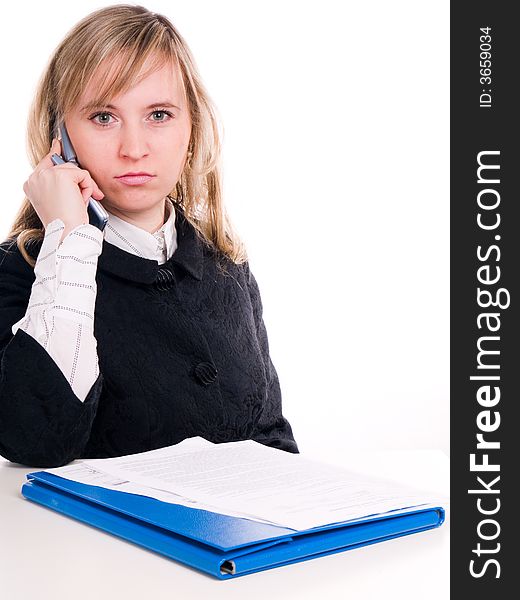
[158,246]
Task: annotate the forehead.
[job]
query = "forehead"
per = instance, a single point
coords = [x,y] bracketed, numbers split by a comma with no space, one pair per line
[114,79]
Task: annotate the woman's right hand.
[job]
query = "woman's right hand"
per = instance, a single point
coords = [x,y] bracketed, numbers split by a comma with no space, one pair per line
[61,191]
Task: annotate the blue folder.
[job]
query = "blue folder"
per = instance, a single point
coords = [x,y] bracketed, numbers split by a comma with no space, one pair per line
[220,545]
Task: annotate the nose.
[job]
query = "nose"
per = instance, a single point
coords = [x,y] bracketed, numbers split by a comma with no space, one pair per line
[133,141]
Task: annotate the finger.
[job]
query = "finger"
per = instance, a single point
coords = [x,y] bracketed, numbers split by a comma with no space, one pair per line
[95,187]
[86,193]
[87,181]
[90,192]
[55,147]
[46,161]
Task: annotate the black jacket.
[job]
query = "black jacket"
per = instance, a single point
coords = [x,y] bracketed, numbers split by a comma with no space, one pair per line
[182,350]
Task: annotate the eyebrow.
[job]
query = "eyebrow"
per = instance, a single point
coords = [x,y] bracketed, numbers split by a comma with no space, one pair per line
[94,104]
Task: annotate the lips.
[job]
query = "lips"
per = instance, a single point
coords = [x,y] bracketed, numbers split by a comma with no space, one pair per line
[135,178]
[134,174]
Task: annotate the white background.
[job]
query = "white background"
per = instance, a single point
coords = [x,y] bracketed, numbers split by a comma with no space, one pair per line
[336,154]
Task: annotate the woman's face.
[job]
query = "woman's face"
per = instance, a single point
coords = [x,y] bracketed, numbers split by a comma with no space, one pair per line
[146,129]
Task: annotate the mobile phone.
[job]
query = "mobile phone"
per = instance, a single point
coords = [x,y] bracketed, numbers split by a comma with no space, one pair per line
[97,215]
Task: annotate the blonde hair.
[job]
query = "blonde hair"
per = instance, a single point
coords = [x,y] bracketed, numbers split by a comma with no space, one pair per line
[136,34]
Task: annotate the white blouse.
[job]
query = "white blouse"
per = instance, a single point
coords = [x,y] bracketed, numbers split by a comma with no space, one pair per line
[60,313]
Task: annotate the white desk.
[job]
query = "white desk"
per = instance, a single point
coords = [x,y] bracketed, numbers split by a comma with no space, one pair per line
[47,556]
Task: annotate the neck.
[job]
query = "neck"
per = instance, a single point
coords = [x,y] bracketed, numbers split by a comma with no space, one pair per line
[150,220]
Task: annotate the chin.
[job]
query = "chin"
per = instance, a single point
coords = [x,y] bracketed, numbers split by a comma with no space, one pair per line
[135,193]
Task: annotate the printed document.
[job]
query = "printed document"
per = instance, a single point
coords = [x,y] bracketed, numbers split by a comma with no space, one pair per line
[252,480]
[81,472]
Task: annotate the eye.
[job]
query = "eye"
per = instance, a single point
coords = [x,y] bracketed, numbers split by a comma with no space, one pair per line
[100,114]
[105,116]
[162,112]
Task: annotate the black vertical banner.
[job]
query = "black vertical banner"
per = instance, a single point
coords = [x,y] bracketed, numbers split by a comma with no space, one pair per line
[485,256]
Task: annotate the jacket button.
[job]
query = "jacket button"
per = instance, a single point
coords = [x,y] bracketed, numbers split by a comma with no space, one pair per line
[205,372]
[164,280]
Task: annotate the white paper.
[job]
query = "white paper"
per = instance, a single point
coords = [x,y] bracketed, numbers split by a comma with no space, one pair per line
[252,479]
[82,473]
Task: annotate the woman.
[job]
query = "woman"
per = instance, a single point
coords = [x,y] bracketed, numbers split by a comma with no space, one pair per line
[133,337]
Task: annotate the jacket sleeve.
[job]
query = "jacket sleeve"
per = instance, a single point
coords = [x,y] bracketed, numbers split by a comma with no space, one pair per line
[42,422]
[273,429]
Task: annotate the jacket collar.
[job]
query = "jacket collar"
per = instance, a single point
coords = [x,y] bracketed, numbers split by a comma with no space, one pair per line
[188,255]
